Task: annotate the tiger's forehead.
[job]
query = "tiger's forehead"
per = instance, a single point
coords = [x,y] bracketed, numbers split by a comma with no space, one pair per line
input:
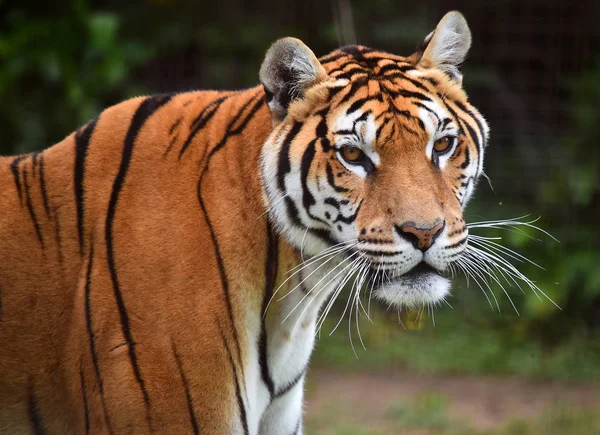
[394,75]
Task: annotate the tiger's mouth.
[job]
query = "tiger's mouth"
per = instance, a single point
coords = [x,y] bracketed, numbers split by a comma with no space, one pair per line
[418,272]
[422,285]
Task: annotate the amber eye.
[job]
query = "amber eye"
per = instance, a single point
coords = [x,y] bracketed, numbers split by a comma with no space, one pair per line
[443,144]
[352,154]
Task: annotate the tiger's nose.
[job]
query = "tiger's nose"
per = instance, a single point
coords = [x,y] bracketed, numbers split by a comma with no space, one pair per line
[421,238]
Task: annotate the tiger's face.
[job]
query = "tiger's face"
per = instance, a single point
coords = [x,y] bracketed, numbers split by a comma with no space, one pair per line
[376,158]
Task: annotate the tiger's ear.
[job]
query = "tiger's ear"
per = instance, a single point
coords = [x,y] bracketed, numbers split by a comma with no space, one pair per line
[289,69]
[447,46]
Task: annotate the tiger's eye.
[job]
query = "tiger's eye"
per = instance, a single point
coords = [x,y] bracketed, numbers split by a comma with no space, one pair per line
[442,145]
[351,154]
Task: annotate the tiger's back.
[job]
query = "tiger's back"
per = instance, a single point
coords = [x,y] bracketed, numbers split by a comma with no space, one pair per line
[105,235]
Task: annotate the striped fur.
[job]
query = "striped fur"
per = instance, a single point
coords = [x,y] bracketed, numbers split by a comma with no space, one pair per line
[139,254]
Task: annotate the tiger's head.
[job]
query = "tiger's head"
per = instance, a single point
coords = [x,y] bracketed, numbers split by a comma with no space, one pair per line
[375,155]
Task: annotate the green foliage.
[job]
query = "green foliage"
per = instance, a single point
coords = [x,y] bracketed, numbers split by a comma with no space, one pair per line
[462,342]
[59,71]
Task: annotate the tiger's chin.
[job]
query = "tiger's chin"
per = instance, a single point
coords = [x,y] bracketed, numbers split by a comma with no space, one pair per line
[421,286]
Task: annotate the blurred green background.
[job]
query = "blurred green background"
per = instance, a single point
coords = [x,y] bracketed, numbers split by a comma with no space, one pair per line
[534,72]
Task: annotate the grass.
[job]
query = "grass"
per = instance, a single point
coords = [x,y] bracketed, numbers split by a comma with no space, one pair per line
[427,414]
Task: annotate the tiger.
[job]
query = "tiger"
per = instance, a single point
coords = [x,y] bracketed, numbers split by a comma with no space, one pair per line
[163,268]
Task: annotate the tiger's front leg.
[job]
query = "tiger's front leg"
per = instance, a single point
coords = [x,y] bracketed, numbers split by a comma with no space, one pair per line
[291,327]
[284,414]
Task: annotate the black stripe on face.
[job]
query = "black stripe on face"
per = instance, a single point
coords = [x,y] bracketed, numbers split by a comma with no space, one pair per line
[31,210]
[409,94]
[469,112]
[359,103]
[431,112]
[144,111]
[354,87]
[288,387]
[271,263]
[92,336]
[407,115]
[14,167]
[457,244]
[43,187]
[462,125]
[186,387]
[284,166]
[331,180]
[467,161]
[307,197]
[349,219]
[37,425]
[86,408]
[82,140]
[201,121]
[240,401]
[474,135]
[400,75]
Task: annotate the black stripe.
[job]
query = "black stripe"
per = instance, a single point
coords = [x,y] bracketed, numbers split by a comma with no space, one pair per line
[307,197]
[359,103]
[469,112]
[144,111]
[175,125]
[240,401]
[462,126]
[458,231]
[86,408]
[320,233]
[467,161]
[348,220]
[400,75]
[186,387]
[43,185]
[34,412]
[82,140]
[409,94]
[297,430]
[331,179]
[91,335]
[31,210]
[201,120]
[230,130]
[423,106]
[351,73]
[14,167]
[356,85]
[380,253]
[457,244]
[288,387]
[34,159]
[382,126]
[284,166]
[475,137]
[271,263]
